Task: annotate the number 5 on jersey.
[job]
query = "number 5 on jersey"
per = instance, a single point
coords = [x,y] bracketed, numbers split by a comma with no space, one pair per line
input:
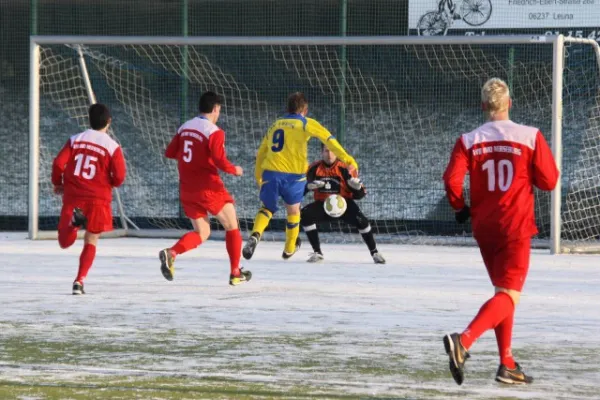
[85,166]
[505,174]
[187,150]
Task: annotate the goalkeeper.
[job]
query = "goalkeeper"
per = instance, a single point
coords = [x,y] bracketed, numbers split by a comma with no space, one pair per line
[331,176]
[281,164]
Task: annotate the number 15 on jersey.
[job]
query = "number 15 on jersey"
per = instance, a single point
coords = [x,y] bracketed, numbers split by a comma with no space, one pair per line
[85,166]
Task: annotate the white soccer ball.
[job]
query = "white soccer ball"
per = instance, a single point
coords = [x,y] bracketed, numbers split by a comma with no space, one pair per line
[335,205]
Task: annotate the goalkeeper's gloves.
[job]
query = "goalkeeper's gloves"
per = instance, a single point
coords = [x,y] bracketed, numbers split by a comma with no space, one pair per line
[354,183]
[463,215]
[314,185]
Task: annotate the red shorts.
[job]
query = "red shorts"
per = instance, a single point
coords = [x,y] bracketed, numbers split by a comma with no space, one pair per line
[206,202]
[98,214]
[507,263]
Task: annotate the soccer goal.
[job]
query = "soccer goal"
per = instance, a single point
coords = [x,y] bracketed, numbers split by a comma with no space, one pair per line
[396,103]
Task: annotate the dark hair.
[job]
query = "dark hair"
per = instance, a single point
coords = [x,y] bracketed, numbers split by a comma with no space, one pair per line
[296,103]
[208,101]
[99,116]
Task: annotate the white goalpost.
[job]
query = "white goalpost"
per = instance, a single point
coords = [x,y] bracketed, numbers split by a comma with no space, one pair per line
[397,104]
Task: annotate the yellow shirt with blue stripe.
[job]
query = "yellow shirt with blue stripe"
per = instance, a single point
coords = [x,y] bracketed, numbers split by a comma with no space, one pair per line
[285,147]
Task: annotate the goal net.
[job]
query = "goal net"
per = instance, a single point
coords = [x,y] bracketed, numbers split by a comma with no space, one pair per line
[397,105]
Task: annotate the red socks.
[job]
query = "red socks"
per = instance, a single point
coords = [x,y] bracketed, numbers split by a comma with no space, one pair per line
[504,337]
[490,315]
[233,243]
[85,261]
[67,236]
[189,241]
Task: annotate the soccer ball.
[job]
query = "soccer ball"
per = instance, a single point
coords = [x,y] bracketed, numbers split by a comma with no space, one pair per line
[335,206]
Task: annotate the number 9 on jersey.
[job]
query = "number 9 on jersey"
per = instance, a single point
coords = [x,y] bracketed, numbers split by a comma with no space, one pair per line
[278,138]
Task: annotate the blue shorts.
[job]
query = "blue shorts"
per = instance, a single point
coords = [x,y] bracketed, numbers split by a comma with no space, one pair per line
[290,187]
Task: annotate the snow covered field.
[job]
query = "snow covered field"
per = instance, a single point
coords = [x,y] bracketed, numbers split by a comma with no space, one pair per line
[343,329]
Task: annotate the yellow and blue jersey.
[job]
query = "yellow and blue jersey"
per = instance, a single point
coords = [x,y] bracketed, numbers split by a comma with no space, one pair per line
[282,158]
[285,146]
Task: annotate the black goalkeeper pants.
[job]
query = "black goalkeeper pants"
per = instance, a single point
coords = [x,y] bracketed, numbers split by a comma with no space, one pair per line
[314,213]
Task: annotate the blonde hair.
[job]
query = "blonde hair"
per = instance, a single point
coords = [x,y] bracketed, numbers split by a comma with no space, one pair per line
[495,95]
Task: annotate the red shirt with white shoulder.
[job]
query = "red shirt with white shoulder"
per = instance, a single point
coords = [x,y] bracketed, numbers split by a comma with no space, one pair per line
[89,165]
[505,161]
[199,148]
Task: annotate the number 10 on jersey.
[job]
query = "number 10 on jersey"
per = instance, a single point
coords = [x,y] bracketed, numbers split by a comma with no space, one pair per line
[504,176]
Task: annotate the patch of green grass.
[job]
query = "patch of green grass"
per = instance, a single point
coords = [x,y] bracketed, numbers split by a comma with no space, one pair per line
[83,363]
[27,350]
[162,388]
[87,347]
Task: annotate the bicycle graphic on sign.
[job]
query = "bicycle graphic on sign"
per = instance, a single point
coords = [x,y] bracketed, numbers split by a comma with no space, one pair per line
[473,12]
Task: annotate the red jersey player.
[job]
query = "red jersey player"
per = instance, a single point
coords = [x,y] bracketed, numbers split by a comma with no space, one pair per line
[199,148]
[505,161]
[84,172]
